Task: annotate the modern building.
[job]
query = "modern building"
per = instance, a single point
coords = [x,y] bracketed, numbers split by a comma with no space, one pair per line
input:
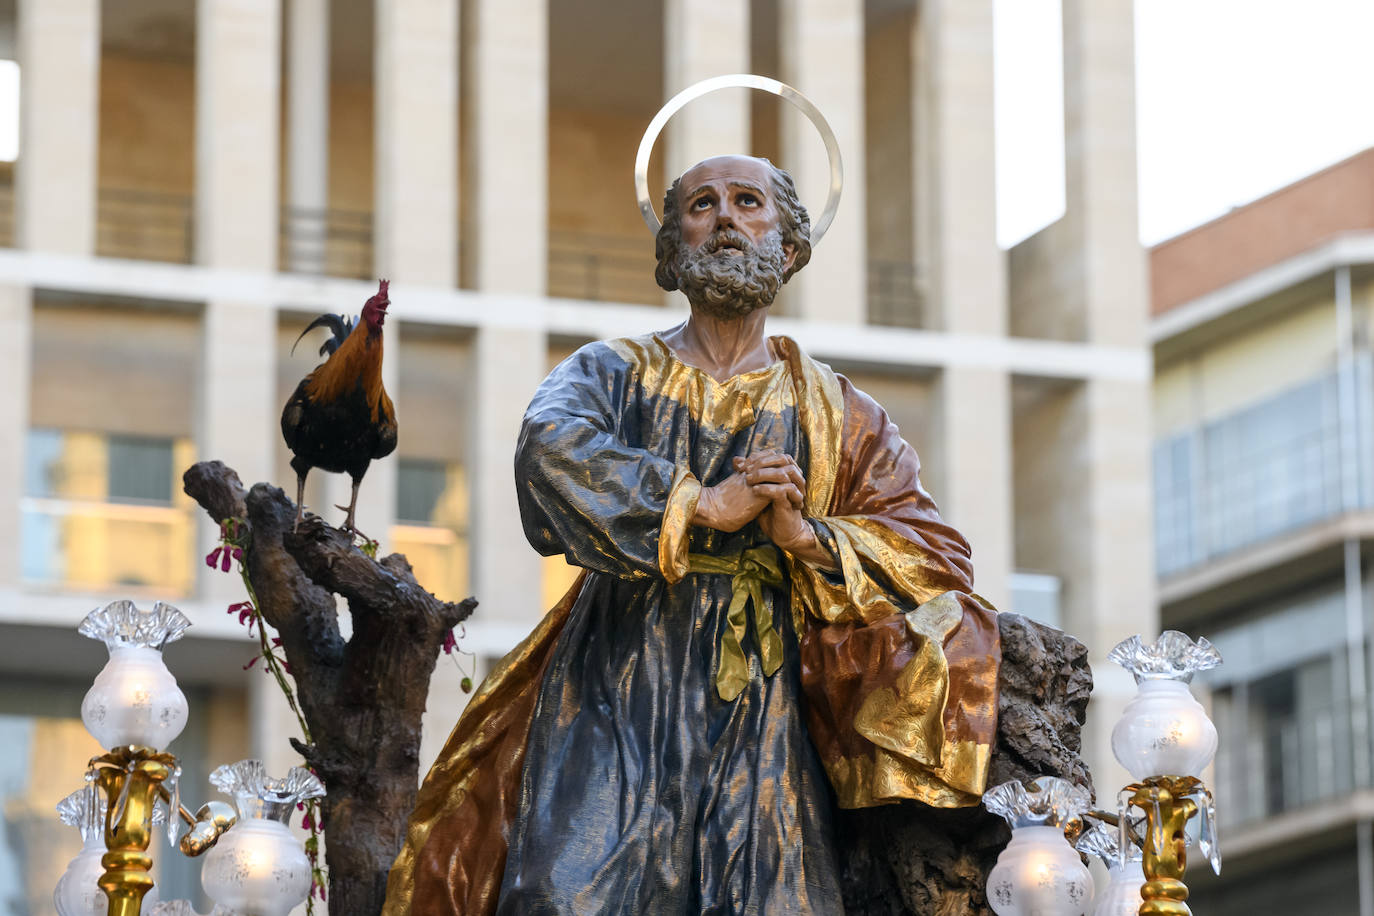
[196,181]
[1264,506]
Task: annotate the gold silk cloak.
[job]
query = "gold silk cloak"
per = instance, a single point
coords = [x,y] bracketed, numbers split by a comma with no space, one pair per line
[898,658]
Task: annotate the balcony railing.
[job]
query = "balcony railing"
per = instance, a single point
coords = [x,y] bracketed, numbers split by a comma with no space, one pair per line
[1284,766]
[145,225]
[98,545]
[1276,466]
[603,268]
[894,298]
[332,243]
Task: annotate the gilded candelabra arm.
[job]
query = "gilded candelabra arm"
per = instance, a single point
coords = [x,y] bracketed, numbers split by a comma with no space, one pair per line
[1112,820]
[207,826]
[131,778]
[1168,808]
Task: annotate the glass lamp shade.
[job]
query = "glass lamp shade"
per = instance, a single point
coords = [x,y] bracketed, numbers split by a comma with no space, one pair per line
[259,868]
[78,891]
[1163,730]
[1121,896]
[1039,874]
[135,700]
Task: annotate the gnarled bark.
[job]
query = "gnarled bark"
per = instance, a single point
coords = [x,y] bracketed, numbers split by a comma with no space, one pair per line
[913,859]
[363,697]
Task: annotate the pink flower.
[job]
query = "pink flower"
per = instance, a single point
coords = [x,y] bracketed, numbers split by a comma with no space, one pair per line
[450,643]
[212,558]
[251,662]
[307,823]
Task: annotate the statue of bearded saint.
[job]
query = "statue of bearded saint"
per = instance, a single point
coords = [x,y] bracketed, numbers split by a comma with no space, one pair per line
[772,621]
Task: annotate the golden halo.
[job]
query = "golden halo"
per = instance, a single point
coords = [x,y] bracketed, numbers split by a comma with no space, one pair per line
[740,81]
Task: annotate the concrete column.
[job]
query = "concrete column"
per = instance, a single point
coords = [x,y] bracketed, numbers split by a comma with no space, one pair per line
[238,415]
[1101,222]
[1084,513]
[16,348]
[507,145]
[415,216]
[273,724]
[697,47]
[237,123]
[307,124]
[976,496]
[55,175]
[964,270]
[506,573]
[821,51]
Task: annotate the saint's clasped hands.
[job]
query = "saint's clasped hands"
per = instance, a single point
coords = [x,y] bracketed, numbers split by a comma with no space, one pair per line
[767,486]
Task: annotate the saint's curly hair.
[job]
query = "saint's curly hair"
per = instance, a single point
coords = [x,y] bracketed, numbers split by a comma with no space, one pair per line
[793,222]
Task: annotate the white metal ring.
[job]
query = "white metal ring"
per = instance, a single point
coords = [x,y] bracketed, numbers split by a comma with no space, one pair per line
[740,81]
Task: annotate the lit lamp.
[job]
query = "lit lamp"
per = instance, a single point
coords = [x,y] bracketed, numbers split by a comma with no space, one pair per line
[78,891]
[258,868]
[1121,896]
[1039,873]
[1165,740]
[134,708]
[184,908]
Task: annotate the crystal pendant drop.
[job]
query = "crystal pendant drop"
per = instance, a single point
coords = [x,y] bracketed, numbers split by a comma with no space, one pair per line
[1207,829]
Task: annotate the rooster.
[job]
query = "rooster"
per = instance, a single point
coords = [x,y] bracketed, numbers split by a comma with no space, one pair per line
[340,417]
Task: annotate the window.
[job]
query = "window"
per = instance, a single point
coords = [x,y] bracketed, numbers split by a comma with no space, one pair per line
[102,510]
[140,470]
[431,524]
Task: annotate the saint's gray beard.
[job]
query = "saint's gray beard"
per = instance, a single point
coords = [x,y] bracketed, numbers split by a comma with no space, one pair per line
[731,286]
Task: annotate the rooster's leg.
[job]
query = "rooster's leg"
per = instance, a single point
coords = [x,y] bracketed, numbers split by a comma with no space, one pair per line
[352,505]
[300,500]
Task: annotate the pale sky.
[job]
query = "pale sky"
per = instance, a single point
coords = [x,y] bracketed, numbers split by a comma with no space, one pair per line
[1234,98]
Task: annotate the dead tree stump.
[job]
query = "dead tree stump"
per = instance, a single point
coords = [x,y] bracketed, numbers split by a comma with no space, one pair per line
[362,698]
[913,859]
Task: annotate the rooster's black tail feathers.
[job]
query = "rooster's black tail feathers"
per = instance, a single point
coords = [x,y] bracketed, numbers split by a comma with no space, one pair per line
[340,327]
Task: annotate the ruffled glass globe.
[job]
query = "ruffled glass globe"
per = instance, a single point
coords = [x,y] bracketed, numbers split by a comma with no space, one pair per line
[1039,873]
[135,700]
[1163,730]
[258,868]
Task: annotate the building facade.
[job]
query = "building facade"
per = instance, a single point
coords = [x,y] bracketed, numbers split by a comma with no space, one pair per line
[1264,498]
[196,181]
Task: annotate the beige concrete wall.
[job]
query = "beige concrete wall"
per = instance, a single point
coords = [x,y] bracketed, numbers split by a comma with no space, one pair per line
[129,371]
[350,146]
[888,139]
[591,164]
[1246,367]
[909,402]
[147,130]
[147,124]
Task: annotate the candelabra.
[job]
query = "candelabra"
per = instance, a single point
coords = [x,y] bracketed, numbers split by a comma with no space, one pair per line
[134,708]
[1165,740]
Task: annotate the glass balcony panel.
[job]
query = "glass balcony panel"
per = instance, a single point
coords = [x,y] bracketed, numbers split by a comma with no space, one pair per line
[95,546]
[1271,468]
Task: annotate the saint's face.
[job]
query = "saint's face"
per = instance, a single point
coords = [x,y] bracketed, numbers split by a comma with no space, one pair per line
[727,192]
